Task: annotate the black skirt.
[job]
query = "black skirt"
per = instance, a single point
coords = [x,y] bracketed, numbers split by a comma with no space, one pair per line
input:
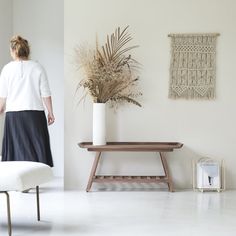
[26,137]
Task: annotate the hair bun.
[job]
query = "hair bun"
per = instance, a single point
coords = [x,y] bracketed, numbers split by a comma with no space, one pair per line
[18,39]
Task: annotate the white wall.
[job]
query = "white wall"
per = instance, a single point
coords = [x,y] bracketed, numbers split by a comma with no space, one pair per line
[5,34]
[41,22]
[5,30]
[207,128]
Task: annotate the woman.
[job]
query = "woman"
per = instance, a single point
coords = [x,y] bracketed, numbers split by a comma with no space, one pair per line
[24,91]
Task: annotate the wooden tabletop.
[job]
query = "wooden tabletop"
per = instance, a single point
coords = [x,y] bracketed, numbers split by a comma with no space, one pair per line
[132,146]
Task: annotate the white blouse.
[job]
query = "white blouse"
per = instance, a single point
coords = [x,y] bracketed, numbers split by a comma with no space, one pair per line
[23,84]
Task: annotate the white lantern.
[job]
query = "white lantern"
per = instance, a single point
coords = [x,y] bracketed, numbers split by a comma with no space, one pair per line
[208,175]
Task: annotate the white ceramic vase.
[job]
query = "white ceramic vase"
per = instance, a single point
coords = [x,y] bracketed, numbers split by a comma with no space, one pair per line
[99,123]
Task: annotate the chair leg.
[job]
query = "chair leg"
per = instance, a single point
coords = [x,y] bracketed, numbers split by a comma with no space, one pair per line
[8,213]
[9,209]
[38,205]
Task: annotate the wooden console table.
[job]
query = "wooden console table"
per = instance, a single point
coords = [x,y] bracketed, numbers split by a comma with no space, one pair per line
[159,147]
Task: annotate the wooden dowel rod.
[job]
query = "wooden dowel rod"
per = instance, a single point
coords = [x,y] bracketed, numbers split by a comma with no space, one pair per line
[194,34]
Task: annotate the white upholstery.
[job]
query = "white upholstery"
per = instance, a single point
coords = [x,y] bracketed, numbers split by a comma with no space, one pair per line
[22,175]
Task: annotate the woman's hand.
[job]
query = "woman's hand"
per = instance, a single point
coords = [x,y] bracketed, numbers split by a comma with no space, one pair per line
[48,103]
[51,118]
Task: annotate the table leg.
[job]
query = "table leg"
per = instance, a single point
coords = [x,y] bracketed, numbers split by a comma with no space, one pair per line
[93,171]
[167,173]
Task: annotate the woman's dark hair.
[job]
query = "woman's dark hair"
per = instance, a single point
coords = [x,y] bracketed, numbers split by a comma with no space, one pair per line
[20,47]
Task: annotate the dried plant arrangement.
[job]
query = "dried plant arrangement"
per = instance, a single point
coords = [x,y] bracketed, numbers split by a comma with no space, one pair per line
[110,73]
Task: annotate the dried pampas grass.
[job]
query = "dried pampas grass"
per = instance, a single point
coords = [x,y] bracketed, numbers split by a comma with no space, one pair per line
[110,75]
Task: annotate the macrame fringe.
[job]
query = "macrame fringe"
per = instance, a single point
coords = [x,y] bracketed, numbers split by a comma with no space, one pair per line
[193,94]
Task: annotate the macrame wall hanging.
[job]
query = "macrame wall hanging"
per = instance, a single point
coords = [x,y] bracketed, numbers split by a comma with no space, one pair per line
[193,66]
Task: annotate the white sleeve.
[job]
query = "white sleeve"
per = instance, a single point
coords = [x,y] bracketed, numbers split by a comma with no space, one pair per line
[44,85]
[3,85]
